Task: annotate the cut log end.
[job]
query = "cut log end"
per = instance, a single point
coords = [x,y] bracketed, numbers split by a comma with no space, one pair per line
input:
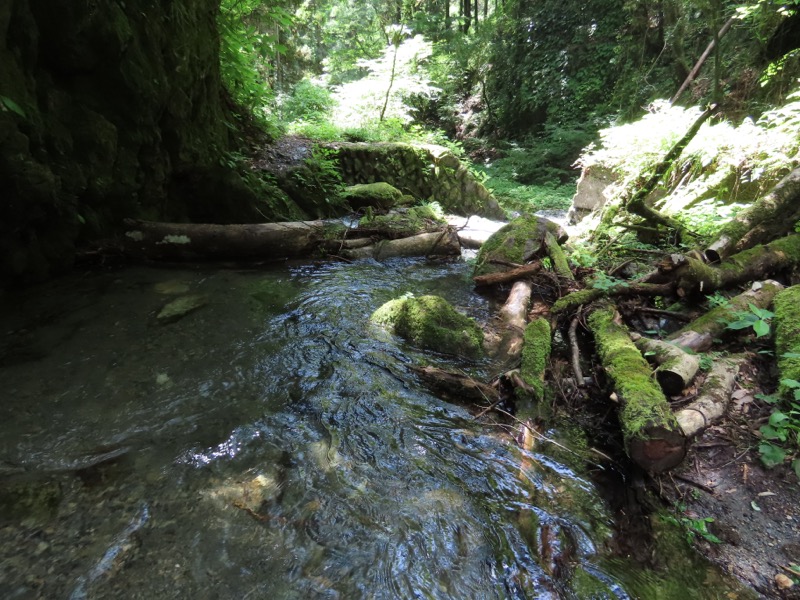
[663,449]
[671,383]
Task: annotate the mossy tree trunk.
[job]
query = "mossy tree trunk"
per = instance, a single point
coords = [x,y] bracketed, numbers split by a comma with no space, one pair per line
[652,436]
[713,399]
[787,332]
[676,367]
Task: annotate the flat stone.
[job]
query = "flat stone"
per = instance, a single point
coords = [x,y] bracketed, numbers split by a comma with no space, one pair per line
[180,307]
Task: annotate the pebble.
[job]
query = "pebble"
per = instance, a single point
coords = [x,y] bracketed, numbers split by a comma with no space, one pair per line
[783,581]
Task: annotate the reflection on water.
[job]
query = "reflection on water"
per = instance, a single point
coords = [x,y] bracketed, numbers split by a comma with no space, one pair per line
[267,445]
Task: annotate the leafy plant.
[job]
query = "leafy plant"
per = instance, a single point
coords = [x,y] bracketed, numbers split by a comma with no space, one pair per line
[694,526]
[757,318]
[7,103]
[783,428]
[604,282]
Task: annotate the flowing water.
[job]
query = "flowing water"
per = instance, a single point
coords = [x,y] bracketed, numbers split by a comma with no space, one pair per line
[272,444]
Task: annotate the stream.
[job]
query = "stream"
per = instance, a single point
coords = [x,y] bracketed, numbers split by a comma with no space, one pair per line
[272,444]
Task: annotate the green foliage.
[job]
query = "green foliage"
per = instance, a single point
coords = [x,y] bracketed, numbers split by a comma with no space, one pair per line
[781,434]
[694,526]
[757,318]
[604,282]
[244,46]
[308,101]
[321,181]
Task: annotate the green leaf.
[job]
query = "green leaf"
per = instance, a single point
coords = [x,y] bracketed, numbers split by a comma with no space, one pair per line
[9,104]
[790,383]
[796,467]
[761,313]
[755,506]
[761,328]
[791,355]
[771,433]
[771,455]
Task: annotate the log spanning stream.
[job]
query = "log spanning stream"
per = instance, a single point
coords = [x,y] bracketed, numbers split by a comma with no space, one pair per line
[271,444]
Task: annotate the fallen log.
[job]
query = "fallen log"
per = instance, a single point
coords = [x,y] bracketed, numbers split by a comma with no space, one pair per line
[771,216]
[676,367]
[204,241]
[456,387]
[653,438]
[296,239]
[535,353]
[507,276]
[712,402]
[442,243]
[693,276]
[513,318]
[699,335]
[575,299]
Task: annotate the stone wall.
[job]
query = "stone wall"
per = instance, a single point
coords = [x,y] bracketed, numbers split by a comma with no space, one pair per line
[426,172]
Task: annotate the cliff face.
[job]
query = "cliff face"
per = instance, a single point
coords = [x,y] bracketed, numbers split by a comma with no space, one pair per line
[108,110]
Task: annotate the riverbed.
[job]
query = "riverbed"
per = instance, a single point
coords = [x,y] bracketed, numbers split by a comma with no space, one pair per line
[272,443]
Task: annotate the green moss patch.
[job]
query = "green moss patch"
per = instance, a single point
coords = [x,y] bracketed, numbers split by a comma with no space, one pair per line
[535,353]
[405,222]
[378,195]
[516,242]
[787,332]
[431,322]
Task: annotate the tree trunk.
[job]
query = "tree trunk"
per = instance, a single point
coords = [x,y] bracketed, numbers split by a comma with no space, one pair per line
[699,335]
[652,436]
[702,59]
[535,354]
[676,367]
[713,400]
[769,217]
[787,332]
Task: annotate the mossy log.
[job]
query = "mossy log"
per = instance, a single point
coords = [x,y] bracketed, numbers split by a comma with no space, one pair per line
[699,335]
[572,301]
[692,276]
[676,367]
[712,402]
[560,263]
[441,243]
[535,354]
[456,387]
[507,276]
[653,438]
[771,216]
[787,332]
[203,241]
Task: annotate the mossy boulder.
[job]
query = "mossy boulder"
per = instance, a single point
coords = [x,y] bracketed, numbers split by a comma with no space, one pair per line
[518,242]
[405,222]
[377,195]
[430,322]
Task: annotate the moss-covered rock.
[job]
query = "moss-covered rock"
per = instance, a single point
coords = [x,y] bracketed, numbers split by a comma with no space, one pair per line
[33,500]
[517,242]
[405,221]
[430,322]
[377,195]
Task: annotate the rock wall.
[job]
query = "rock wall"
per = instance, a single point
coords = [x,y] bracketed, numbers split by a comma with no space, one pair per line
[426,172]
[595,188]
[108,110]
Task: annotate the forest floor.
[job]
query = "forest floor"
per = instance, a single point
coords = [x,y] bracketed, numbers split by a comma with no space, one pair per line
[755,511]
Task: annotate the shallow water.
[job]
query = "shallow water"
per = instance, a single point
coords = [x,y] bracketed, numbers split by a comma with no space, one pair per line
[272,444]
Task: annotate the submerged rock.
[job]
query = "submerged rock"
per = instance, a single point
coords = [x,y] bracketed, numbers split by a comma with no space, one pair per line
[517,243]
[33,500]
[180,307]
[430,322]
